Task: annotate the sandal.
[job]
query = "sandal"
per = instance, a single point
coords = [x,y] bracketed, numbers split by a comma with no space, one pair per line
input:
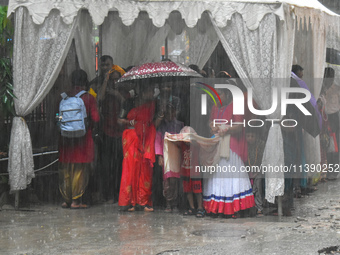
[83,206]
[131,209]
[148,209]
[75,206]
[200,213]
[65,205]
[168,209]
[189,212]
[259,213]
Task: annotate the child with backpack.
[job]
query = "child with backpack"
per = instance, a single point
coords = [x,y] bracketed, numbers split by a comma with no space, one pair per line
[78,115]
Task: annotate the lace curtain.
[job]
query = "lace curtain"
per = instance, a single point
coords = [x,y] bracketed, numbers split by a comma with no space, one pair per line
[141,42]
[203,41]
[132,45]
[39,52]
[84,44]
[261,57]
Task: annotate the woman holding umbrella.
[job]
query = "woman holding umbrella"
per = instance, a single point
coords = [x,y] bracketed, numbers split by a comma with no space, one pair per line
[139,138]
[138,149]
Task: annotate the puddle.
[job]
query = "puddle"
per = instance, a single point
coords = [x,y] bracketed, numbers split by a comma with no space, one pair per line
[219,233]
[330,250]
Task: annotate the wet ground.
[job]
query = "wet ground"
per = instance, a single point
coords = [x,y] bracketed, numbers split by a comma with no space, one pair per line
[102,229]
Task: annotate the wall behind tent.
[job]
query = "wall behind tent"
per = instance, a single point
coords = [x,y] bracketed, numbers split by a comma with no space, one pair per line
[220,61]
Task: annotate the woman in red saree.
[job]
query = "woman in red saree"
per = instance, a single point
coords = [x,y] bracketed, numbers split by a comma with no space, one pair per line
[139,153]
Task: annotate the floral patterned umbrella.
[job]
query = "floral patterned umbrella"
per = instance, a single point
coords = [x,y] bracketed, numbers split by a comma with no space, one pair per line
[158,69]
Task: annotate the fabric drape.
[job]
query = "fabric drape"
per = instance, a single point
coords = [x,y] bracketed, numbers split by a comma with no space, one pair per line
[132,45]
[203,41]
[84,43]
[141,42]
[39,52]
[262,58]
[209,152]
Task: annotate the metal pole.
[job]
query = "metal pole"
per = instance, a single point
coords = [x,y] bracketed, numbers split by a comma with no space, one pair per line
[100,45]
[166,48]
[279,206]
[16,200]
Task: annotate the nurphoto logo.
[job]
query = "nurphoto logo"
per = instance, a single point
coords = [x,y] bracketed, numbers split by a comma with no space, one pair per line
[279,96]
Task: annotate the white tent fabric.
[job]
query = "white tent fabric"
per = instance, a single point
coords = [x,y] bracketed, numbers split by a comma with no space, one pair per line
[39,52]
[141,42]
[159,11]
[262,63]
[203,41]
[84,45]
[271,19]
[135,44]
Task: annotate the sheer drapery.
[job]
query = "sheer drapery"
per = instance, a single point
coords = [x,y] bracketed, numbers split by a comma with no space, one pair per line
[141,42]
[262,58]
[85,46]
[39,52]
[203,41]
[310,53]
[132,45]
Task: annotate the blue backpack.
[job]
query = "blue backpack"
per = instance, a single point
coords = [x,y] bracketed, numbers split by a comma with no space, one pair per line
[72,115]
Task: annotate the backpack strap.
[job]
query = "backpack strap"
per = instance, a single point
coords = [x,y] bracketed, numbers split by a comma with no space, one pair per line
[80,93]
[63,95]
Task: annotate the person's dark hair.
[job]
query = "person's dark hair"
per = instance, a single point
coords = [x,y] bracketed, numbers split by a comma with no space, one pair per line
[296,68]
[208,70]
[117,72]
[329,72]
[194,67]
[106,57]
[79,78]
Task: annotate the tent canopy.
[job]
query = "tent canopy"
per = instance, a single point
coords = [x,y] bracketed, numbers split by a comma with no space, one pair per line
[191,11]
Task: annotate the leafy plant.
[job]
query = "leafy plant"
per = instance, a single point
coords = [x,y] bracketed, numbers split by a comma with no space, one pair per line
[6,88]
[6,76]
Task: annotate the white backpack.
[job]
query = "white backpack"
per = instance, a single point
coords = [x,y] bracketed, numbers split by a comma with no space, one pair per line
[72,114]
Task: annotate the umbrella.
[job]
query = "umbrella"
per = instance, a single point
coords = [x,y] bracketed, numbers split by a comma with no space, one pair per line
[312,124]
[158,69]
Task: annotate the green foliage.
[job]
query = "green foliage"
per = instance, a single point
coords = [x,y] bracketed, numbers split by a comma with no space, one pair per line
[6,76]
[6,88]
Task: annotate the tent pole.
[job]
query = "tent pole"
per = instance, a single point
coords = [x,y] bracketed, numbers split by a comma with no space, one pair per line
[279,206]
[16,199]
[100,44]
[166,48]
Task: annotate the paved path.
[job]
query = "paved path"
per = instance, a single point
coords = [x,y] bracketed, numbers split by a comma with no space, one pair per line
[101,229]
